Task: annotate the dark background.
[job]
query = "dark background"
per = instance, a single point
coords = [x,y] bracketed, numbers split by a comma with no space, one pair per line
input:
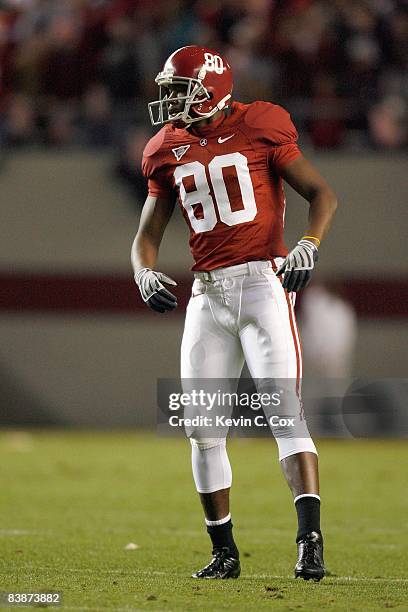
[77,345]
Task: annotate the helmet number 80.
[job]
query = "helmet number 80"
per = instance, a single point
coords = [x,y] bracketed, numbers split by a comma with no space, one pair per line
[213,63]
[201,194]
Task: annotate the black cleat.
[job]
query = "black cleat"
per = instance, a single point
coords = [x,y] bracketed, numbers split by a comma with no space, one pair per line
[222,565]
[310,564]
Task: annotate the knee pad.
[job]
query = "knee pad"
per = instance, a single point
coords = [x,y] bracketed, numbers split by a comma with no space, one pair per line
[292,436]
[292,446]
[210,463]
[206,443]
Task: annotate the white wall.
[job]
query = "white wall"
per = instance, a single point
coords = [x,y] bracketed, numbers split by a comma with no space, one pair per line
[63,213]
[101,371]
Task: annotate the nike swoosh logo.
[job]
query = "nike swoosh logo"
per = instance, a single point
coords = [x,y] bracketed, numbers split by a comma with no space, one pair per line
[221,140]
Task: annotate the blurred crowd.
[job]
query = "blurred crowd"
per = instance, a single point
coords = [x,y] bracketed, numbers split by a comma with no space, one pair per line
[80,72]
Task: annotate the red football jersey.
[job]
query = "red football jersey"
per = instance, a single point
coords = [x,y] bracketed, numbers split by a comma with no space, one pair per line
[226,176]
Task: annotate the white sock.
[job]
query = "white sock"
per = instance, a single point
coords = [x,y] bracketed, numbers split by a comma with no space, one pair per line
[306,495]
[219,522]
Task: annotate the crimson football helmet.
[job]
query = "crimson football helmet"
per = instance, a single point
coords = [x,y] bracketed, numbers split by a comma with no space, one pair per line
[206,78]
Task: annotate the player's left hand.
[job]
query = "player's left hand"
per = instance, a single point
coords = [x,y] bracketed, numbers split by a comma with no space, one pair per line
[153,292]
[298,265]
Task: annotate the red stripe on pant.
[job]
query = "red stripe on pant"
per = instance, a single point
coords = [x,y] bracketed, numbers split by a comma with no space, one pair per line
[296,342]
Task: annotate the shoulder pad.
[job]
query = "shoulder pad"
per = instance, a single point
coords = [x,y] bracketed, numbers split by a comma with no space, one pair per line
[155,143]
[274,121]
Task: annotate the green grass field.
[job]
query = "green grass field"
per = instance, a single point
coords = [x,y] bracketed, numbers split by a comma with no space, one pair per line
[71,502]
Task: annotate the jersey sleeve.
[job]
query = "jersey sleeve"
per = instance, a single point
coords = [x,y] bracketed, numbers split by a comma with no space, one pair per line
[276,131]
[157,183]
[153,169]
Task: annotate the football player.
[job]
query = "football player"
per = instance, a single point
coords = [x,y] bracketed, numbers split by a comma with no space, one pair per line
[225,162]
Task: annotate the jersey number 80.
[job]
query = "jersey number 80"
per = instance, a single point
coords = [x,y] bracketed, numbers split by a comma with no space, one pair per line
[201,195]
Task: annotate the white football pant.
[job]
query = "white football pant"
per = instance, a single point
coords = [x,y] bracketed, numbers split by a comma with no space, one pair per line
[236,314]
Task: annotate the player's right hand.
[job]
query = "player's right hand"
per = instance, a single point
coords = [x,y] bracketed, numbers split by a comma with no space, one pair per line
[153,291]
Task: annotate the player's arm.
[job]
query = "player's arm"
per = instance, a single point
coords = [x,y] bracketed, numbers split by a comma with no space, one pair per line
[306,180]
[155,216]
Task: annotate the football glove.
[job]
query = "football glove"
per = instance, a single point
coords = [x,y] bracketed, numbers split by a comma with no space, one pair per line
[152,290]
[298,266]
